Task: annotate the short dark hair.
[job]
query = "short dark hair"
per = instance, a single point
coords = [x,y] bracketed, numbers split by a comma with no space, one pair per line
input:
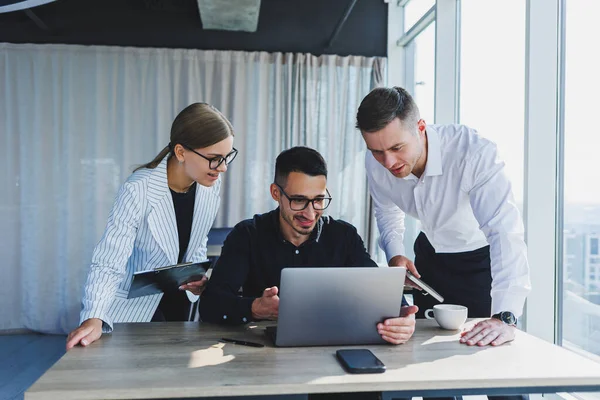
[299,159]
[383,105]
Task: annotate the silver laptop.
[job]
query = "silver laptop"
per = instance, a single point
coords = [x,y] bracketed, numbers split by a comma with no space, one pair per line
[336,306]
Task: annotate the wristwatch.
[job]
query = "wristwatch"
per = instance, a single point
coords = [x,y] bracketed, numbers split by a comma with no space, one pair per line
[507,317]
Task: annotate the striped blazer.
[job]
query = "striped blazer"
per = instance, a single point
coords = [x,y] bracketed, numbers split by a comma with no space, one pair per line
[141,234]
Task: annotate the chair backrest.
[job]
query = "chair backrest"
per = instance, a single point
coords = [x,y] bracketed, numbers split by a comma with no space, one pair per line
[216,236]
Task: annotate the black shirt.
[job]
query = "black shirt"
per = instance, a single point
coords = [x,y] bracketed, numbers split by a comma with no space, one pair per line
[184,213]
[254,254]
[174,305]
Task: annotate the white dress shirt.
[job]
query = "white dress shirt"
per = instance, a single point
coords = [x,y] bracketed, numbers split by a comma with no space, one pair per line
[464,202]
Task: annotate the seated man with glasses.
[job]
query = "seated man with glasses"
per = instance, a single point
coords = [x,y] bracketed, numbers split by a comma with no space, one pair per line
[296,234]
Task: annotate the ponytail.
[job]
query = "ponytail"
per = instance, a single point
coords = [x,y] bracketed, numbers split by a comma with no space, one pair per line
[197,126]
[157,160]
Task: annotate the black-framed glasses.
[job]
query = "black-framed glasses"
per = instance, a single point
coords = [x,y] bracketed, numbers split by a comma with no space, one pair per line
[300,203]
[215,162]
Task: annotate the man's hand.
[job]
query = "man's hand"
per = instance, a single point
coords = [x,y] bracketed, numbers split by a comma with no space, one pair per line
[399,330]
[88,332]
[491,331]
[267,306]
[196,287]
[401,261]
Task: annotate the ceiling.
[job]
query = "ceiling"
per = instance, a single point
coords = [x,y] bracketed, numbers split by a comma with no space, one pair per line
[344,27]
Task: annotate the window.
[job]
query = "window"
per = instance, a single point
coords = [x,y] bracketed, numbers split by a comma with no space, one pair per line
[581,198]
[418,78]
[420,82]
[414,11]
[594,246]
[424,76]
[492,78]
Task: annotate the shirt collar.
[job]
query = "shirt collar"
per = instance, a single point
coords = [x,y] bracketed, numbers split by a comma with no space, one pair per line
[315,235]
[434,155]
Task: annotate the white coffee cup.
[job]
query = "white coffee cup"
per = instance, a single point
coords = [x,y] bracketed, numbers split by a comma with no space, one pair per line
[448,316]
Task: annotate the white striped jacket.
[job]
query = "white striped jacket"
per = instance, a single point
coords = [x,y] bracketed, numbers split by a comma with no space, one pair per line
[141,234]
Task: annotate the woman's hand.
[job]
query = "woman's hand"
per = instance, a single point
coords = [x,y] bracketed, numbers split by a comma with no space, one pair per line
[88,332]
[196,287]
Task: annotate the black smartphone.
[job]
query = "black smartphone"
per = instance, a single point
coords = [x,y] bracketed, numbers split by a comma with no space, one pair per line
[360,361]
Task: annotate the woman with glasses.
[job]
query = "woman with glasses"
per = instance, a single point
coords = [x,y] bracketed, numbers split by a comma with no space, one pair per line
[161,216]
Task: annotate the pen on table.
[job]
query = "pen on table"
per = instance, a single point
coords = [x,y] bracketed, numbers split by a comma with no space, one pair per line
[242,342]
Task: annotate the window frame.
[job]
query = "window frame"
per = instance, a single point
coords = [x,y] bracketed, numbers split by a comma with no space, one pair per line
[544,110]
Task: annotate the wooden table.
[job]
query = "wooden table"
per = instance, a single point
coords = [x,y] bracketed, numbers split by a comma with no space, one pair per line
[183,360]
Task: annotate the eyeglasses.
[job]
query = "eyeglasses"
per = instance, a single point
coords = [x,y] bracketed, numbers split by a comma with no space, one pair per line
[300,203]
[215,162]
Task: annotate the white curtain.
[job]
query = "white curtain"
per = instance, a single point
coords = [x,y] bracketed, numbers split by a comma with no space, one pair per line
[75,121]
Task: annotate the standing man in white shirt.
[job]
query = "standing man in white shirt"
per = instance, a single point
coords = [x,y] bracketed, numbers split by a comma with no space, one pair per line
[471,247]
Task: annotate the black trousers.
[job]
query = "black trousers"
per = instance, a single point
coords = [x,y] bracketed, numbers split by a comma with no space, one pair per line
[461,278]
[174,306]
